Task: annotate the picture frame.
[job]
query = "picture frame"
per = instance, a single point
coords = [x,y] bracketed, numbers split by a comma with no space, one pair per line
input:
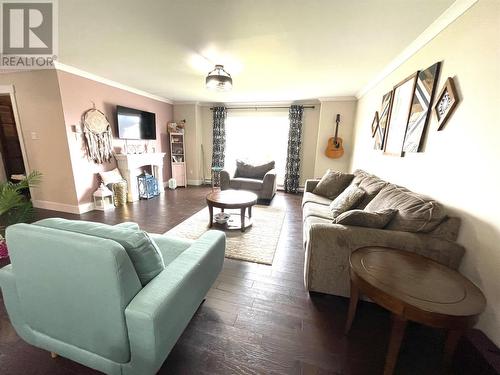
[421,108]
[446,102]
[375,124]
[385,112]
[399,116]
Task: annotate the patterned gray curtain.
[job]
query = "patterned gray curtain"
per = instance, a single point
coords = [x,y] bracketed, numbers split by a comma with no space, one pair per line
[219,142]
[293,155]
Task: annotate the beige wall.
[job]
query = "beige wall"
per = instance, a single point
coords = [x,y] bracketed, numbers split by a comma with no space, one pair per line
[460,164]
[193,138]
[40,111]
[326,129]
[77,94]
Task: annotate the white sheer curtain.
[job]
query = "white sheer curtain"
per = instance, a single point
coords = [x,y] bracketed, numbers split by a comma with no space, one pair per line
[257,137]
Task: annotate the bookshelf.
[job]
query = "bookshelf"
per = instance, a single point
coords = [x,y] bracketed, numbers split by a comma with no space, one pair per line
[178,158]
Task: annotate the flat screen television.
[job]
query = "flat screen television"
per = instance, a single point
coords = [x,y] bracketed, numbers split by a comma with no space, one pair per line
[135,124]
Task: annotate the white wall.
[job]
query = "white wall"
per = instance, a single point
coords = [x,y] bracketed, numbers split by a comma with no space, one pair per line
[460,164]
[329,109]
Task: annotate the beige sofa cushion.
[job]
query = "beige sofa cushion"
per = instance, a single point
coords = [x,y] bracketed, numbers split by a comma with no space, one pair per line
[346,200]
[332,184]
[416,213]
[362,218]
[369,183]
[311,197]
[318,210]
[246,183]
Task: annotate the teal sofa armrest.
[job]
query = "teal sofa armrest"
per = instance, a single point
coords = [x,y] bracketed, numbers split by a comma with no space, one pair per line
[159,313]
[12,303]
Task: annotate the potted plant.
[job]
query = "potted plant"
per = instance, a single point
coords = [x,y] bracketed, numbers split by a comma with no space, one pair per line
[15,205]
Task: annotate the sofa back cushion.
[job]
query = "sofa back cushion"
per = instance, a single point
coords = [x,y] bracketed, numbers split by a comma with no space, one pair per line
[448,229]
[74,288]
[143,252]
[416,213]
[370,183]
[252,171]
[332,184]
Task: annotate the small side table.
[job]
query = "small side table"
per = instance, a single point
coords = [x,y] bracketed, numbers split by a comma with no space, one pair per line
[414,288]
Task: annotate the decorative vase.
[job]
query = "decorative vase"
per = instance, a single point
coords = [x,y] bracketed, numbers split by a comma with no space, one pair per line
[4,253]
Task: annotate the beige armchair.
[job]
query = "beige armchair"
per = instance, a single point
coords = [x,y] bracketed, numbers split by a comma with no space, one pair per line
[260,180]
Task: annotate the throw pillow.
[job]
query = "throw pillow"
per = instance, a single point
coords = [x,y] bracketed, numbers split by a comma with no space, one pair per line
[332,184]
[141,249]
[252,171]
[346,200]
[361,218]
[111,177]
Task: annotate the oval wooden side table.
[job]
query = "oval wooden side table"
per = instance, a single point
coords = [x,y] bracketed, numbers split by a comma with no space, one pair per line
[414,288]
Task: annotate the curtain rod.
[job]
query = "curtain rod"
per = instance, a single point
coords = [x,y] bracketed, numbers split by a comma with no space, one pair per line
[264,107]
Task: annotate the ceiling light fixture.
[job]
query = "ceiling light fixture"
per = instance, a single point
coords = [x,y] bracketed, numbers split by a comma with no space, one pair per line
[219,79]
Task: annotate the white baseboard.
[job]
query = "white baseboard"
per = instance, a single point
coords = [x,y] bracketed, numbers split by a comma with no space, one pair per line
[62,207]
[195,182]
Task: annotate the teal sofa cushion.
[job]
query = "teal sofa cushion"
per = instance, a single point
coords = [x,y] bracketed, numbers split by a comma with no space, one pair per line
[145,255]
[128,225]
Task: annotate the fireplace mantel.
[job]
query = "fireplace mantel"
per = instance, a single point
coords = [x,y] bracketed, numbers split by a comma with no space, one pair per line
[130,166]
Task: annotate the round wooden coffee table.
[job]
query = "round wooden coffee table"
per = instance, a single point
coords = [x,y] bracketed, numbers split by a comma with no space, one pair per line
[239,199]
[414,288]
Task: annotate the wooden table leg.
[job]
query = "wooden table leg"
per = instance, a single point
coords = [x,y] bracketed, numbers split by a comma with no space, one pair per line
[250,212]
[397,333]
[450,346]
[353,304]
[242,214]
[211,211]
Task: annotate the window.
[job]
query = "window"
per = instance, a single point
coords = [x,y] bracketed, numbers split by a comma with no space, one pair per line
[257,138]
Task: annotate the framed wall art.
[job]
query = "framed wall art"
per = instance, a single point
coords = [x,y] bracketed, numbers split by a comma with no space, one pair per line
[446,102]
[375,124]
[385,112]
[399,116]
[420,111]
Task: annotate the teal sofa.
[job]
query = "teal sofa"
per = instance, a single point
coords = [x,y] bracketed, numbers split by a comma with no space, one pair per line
[79,296]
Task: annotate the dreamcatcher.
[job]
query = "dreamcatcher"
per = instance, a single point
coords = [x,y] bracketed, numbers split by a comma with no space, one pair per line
[98,137]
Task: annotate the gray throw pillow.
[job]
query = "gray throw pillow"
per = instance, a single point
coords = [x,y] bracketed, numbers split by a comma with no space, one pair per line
[332,184]
[361,218]
[252,171]
[142,250]
[346,200]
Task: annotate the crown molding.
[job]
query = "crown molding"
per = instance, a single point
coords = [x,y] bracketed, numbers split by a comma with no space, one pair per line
[260,104]
[456,9]
[337,99]
[186,102]
[82,73]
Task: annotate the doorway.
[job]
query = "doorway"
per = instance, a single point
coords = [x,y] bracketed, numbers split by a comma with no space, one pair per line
[13,168]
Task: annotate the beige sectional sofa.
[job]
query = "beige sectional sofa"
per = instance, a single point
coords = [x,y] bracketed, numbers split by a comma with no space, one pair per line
[420,225]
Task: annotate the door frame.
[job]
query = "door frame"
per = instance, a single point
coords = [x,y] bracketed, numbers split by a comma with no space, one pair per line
[10,90]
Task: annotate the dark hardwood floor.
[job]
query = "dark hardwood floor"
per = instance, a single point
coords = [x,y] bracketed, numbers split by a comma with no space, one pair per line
[256,319]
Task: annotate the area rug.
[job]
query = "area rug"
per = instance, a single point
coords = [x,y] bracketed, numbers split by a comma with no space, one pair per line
[257,244]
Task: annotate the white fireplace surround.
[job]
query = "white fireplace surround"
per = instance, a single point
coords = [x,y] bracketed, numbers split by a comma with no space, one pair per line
[131,166]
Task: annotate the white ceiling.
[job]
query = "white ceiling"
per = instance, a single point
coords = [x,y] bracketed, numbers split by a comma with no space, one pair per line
[275,50]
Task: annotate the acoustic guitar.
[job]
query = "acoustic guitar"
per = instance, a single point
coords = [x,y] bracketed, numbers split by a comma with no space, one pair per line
[334,149]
